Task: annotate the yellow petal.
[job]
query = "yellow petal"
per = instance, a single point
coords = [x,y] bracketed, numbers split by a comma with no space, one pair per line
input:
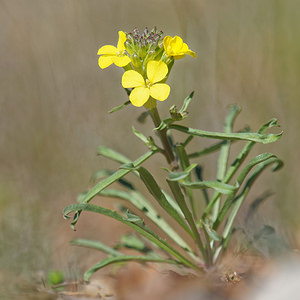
[160,91]
[121,41]
[176,43]
[166,41]
[176,47]
[167,45]
[121,61]
[185,49]
[156,71]
[105,61]
[131,79]
[172,45]
[108,50]
[192,53]
[139,96]
[179,56]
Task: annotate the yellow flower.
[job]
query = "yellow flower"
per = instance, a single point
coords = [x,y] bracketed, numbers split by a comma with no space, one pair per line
[114,55]
[176,47]
[143,89]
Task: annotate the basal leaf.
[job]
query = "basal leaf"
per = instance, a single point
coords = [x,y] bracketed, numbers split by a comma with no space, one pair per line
[143,230]
[96,245]
[124,258]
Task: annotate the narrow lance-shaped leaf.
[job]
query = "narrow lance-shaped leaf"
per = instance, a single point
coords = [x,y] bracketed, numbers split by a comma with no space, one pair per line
[254,137]
[149,142]
[240,198]
[187,167]
[175,188]
[143,230]
[229,201]
[176,176]
[176,115]
[138,200]
[159,196]
[211,232]
[220,187]
[107,182]
[104,173]
[237,163]
[113,155]
[113,178]
[224,154]
[214,147]
[119,107]
[186,103]
[96,245]
[124,258]
[132,241]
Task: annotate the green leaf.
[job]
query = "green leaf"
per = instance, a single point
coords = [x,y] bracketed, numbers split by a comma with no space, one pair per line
[113,178]
[216,185]
[211,232]
[140,202]
[214,147]
[175,188]
[224,154]
[240,198]
[133,242]
[122,259]
[229,202]
[254,137]
[113,155]
[187,167]
[175,114]
[164,124]
[237,163]
[149,142]
[116,176]
[186,103]
[253,162]
[159,196]
[143,230]
[96,245]
[176,176]
[132,218]
[119,107]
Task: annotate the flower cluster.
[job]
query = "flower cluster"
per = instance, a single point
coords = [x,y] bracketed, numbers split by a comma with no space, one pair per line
[147,59]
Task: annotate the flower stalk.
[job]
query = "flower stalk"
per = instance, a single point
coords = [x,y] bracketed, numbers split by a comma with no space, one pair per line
[168,151]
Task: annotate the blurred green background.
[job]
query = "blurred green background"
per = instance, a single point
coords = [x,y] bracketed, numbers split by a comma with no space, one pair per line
[54,103]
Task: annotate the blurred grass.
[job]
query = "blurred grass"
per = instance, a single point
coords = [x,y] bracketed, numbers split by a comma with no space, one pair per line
[54,103]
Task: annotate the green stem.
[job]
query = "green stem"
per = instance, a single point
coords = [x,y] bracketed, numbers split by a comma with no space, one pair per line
[179,198]
[184,161]
[168,151]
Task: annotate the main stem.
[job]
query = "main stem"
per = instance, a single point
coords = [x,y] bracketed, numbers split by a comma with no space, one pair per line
[168,151]
[169,154]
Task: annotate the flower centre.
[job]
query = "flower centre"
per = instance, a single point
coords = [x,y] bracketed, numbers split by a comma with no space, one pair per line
[148,83]
[121,53]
